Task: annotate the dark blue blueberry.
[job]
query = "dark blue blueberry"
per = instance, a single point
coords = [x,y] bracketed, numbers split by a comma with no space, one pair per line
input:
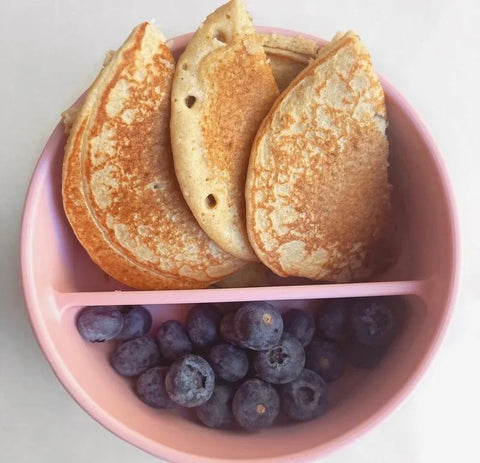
[281,363]
[137,322]
[227,329]
[203,325]
[216,412]
[255,404]
[228,362]
[373,321]
[151,390]
[364,357]
[325,357]
[258,326]
[332,321]
[173,340]
[99,323]
[300,324]
[190,381]
[305,398]
[135,356]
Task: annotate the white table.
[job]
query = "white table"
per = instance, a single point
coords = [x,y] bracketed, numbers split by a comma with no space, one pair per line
[49,53]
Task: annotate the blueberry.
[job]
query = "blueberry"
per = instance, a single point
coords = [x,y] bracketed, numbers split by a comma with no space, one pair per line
[151,390]
[373,321]
[258,326]
[99,323]
[227,329]
[228,362]
[216,412]
[332,321]
[190,381]
[255,404]
[325,357]
[173,340]
[137,322]
[305,398]
[203,324]
[299,324]
[135,356]
[364,357]
[282,363]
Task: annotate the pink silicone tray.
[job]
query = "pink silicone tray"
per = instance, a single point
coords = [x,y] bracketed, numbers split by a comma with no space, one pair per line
[59,279]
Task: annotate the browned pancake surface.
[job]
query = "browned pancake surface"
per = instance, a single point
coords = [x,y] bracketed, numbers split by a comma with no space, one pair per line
[223,87]
[119,187]
[318,197]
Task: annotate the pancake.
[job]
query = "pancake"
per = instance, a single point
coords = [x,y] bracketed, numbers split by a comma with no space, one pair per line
[222,89]
[317,190]
[119,189]
[287,56]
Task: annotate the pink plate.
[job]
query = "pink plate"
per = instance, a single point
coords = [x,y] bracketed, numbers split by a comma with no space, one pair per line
[59,279]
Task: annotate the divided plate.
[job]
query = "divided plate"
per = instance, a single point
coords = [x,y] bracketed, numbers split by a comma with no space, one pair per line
[59,279]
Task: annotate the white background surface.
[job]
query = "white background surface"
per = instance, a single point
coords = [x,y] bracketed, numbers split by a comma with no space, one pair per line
[49,53]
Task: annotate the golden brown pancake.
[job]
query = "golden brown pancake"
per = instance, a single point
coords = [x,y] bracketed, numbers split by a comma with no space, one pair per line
[223,87]
[119,188]
[317,191]
[287,56]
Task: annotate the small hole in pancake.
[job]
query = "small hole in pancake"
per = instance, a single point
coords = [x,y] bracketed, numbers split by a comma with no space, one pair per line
[220,36]
[228,16]
[211,201]
[190,101]
[184,66]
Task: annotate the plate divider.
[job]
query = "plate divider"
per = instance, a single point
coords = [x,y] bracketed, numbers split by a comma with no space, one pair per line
[67,300]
